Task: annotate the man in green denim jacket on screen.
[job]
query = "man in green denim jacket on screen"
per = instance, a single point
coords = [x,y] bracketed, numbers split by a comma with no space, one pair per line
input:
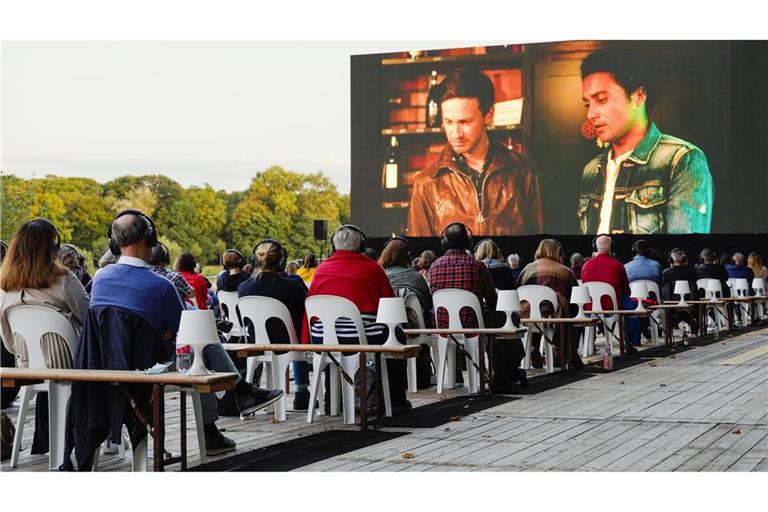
[646,182]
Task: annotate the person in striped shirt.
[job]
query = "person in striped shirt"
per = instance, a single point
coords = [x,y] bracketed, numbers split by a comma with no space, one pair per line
[350,274]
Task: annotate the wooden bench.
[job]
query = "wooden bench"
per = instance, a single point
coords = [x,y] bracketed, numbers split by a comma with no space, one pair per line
[201,383]
[393,352]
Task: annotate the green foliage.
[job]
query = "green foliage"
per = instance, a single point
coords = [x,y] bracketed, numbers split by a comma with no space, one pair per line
[279,204]
[283,204]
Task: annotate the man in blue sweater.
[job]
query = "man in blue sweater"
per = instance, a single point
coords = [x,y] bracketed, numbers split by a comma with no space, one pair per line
[130,284]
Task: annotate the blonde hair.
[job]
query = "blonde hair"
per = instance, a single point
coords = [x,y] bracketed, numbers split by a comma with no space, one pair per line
[487,249]
[755,262]
[550,248]
[268,256]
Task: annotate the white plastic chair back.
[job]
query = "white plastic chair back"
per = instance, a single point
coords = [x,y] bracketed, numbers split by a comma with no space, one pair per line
[598,290]
[758,284]
[454,300]
[259,310]
[706,283]
[731,282]
[654,292]
[32,322]
[328,309]
[535,295]
[228,301]
[741,286]
[412,303]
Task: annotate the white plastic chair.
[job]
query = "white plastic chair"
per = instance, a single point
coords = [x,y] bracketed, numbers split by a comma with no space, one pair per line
[535,295]
[453,300]
[706,284]
[741,289]
[654,292]
[31,323]
[412,303]
[598,290]
[228,302]
[258,310]
[758,285]
[327,309]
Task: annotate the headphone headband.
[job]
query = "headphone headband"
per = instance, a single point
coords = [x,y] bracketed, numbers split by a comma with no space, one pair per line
[241,261]
[52,227]
[594,240]
[402,239]
[283,253]
[351,227]
[467,233]
[150,231]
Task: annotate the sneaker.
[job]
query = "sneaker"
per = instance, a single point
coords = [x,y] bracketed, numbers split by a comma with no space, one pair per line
[260,398]
[301,401]
[218,444]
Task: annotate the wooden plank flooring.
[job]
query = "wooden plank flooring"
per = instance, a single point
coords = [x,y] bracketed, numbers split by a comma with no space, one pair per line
[702,409]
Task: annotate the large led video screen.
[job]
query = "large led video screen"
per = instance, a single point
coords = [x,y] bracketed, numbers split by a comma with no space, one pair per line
[577,137]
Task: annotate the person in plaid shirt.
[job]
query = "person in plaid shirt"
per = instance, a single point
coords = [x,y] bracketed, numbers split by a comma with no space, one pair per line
[457,268]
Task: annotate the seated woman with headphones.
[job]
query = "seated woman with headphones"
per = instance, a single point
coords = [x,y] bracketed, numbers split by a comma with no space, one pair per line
[233,274]
[270,258]
[394,259]
[32,274]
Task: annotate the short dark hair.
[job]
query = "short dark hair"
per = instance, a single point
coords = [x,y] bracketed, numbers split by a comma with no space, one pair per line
[641,248]
[708,255]
[630,71]
[457,236]
[468,83]
[157,257]
[187,262]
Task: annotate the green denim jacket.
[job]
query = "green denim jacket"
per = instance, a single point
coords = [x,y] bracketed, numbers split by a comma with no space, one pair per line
[664,186]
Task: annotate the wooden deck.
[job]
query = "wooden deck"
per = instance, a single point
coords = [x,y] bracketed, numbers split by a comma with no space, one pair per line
[703,409]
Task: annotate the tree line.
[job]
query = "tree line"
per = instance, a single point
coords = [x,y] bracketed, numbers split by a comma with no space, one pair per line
[278,204]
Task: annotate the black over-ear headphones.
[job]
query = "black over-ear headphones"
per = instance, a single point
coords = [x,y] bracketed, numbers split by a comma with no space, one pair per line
[465,229]
[241,260]
[594,241]
[150,232]
[409,256]
[283,253]
[351,227]
[676,249]
[166,253]
[52,227]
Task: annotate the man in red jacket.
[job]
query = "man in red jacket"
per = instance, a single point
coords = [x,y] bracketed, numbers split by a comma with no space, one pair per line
[350,274]
[603,268]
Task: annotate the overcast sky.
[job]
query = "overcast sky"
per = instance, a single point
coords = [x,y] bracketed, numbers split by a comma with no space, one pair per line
[198,112]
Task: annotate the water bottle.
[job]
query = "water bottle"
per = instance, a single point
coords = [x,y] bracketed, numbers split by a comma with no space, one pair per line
[183,358]
[608,360]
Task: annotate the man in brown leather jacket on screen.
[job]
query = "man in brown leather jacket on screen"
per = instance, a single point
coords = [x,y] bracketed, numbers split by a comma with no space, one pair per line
[487,187]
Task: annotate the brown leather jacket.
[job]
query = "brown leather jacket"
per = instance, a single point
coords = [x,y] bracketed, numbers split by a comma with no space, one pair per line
[511,197]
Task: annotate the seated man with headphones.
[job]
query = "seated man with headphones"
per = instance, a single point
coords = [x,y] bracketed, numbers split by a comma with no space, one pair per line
[642,266]
[130,285]
[350,274]
[457,268]
[604,268]
[159,260]
[680,271]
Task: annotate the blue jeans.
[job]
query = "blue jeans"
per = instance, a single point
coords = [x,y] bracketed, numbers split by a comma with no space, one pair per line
[301,375]
[633,323]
